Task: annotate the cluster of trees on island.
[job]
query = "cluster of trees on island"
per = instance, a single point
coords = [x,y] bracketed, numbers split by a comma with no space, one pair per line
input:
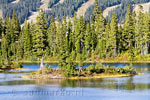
[76,40]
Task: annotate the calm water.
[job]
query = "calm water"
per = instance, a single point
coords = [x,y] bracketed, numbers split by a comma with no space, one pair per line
[12,87]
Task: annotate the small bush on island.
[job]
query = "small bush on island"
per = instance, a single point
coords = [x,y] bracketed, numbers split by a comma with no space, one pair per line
[99,68]
[48,69]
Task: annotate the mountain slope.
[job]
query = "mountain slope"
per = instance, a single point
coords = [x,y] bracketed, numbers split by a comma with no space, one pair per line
[16,1]
[81,11]
[28,9]
[44,6]
[146,7]
[109,9]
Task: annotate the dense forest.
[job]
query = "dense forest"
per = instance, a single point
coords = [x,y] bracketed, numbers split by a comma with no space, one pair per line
[81,40]
[24,8]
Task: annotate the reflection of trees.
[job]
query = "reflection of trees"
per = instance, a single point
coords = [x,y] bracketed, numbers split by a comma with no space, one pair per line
[129,85]
[106,84]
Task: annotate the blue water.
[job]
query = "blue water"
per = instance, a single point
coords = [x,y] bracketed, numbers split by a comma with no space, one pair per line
[13,87]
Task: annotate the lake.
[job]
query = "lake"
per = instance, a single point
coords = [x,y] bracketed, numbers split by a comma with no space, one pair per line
[13,87]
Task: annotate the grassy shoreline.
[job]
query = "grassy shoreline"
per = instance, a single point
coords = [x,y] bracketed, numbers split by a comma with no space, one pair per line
[45,77]
[87,62]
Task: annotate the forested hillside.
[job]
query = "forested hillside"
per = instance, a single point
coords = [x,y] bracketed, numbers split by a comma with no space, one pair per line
[120,11]
[24,8]
[67,8]
[79,39]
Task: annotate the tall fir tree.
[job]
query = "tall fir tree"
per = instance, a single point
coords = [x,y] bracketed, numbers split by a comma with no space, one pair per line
[26,39]
[39,36]
[1,27]
[113,35]
[88,38]
[146,32]
[4,48]
[52,38]
[128,32]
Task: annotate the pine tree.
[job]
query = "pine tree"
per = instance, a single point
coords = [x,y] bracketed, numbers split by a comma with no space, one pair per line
[88,38]
[79,35]
[120,40]
[113,35]
[15,26]
[94,36]
[74,30]
[96,11]
[1,27]
[128,32]
[39,36]
[107,39]
[146,32]
[139,39]
[4,48]
[69,39]
[1,31]
[99,30]
[8,32]
[52,37]
[26,39]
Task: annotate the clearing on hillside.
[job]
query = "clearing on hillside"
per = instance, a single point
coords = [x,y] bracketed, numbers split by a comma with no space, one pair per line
[81,11]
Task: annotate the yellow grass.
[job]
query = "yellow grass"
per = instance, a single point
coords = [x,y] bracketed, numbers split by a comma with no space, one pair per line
[104,75]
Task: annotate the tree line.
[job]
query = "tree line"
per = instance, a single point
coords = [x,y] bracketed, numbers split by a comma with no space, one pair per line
[79,39]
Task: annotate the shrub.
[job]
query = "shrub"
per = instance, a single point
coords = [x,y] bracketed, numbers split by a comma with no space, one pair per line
[90,69]
[109,69]
[48,69]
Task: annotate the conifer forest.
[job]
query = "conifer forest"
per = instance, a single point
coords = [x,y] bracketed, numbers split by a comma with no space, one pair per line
[82,40]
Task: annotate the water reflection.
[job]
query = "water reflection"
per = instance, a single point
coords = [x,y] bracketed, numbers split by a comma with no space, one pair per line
[137,84]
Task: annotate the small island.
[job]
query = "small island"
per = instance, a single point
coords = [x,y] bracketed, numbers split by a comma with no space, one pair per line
[10,66]
[90,72]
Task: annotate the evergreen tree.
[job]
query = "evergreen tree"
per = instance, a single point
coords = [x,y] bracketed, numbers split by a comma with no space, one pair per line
[15,27]
[99,30]
[79,35]
[52,37]
[107,39]
[128,33]
[88,38]
[39,36]
[26,39]
[139,35]
[1,27]
[4,47]
[96,11]
[8,32]
[146,32]
[113,35]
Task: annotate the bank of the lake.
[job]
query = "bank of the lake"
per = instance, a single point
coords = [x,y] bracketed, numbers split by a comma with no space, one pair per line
[47,77]
[86,62]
